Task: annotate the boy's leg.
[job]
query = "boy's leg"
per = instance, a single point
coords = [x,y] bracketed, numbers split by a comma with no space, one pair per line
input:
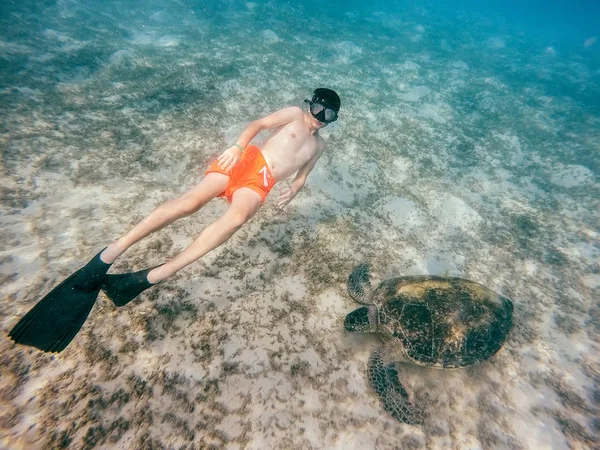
[190,202]
[245,203]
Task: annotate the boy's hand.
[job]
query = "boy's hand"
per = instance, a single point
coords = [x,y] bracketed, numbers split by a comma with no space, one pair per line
[286,196]
[229,158]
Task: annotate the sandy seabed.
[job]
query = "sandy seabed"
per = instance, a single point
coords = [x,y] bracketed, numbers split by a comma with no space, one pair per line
[438,165]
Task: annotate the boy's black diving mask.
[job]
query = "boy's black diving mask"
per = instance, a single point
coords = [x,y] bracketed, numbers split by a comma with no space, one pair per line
[322,112]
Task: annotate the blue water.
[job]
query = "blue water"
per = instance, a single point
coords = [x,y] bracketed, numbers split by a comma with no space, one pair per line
[467,145]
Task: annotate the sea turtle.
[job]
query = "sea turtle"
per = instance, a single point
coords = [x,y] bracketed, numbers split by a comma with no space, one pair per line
[431,321]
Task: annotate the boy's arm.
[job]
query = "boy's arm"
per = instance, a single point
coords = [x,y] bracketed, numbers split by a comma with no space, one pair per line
[278,118]
[288,194]
[232,155]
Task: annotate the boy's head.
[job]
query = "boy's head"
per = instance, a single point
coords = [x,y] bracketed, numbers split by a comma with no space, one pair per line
[324,105]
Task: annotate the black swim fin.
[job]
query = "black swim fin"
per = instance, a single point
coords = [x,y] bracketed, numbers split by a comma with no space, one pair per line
[55,320]
[123,287]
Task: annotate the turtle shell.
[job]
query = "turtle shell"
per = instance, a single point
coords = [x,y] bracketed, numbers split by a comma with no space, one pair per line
[441,321]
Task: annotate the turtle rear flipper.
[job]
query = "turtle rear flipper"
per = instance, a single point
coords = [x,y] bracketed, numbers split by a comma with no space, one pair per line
[383,377]
[359,284]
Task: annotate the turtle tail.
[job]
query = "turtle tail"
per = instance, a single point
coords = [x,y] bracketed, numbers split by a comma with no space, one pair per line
[383,377]
[359,284]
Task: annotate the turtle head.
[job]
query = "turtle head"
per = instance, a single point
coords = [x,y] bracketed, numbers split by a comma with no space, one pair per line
[362,320]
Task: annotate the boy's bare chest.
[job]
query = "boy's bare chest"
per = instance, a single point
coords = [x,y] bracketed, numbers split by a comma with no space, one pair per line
[293,137]
[289,149]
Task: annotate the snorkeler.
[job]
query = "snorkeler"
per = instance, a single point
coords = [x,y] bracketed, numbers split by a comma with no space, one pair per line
[243,174]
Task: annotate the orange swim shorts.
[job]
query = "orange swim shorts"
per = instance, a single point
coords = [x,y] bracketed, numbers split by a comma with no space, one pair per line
[251,172]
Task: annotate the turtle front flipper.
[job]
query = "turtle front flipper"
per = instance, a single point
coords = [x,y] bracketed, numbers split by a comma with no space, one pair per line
[359,284]
[383,377]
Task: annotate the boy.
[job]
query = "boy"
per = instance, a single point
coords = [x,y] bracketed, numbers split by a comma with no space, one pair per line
[243,174]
